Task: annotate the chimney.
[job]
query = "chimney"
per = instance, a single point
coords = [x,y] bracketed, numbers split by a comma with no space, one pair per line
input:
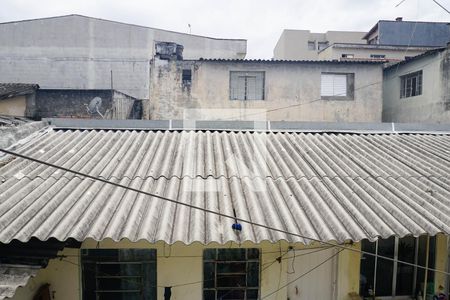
[399,19]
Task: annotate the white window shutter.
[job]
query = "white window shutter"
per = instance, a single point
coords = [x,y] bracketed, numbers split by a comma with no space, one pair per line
[340,85]
[333,85]
[326,86]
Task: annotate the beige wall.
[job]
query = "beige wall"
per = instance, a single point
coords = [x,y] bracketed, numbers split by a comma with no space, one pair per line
[13,106]
[292,92]
[336,53]
[293,44]
[337,277]
[429,107]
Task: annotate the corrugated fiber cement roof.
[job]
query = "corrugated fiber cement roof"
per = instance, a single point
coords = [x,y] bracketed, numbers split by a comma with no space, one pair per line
[326,186]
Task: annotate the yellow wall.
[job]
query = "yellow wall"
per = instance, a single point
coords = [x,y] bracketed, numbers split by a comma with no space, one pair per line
[348,272]
[441,261]
[13,106]
[64,274]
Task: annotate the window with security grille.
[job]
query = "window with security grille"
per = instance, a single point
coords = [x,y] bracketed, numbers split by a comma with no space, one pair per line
[119,274]
[246,85]
[411,85]
[231,274]
[337,86]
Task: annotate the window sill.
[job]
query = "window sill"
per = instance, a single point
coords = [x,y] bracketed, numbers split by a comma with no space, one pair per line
[337,98]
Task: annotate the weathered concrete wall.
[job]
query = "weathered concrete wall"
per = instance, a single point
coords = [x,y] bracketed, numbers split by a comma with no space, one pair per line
[77,52]
[15,106]
[73,103]
[433,105]
[292,92]
[293,44]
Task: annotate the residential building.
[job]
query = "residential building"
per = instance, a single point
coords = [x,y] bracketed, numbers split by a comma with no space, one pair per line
[79,52]
[418,89]
[215,211]
[391,41]
[306,45]
[412,33]
[221,89]
[385,53]
[16,97]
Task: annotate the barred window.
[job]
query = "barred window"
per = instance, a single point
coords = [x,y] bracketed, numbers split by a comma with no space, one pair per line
[247,85]
[119,274]
[231,274]
[411,85]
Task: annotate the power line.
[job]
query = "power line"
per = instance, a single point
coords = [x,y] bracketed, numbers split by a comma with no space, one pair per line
[235,218]
[441,6]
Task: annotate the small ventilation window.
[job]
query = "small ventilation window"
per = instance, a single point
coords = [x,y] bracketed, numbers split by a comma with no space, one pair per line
[186,78]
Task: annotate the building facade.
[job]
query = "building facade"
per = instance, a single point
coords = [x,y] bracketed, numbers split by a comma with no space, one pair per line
[388,40]
[304,44]
[78,52]
[418,90]
[325,91]
[412,33]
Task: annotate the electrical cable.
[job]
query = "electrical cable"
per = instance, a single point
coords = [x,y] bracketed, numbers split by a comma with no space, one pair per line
[441,6]
[252,223]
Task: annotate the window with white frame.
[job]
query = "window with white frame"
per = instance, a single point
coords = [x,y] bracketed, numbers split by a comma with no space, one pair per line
[378,56]
[231,274]
[246,85]
[411,85]
[118,274]
[335,86]
[387,278]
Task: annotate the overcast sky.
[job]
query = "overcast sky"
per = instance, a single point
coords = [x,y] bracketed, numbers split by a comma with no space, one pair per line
[260,22]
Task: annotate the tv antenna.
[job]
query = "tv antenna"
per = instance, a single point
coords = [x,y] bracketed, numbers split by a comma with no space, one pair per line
[94,107]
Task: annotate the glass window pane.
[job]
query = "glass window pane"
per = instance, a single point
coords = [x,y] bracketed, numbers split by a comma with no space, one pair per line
[209,254]
[231,294]
[225,267]
[231,254]
[253,274]
[405,273]
[209,295]
[231,280]
[253,254]
[367,269]
[209,274]
[385,267]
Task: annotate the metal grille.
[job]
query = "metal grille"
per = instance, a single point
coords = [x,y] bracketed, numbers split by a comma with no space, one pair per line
[231,274]
[119,274]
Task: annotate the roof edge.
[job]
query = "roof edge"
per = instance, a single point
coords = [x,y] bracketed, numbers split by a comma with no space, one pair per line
[253,126]
[122,23]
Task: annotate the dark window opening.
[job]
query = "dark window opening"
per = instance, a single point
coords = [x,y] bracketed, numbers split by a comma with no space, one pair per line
[118,274]
[231,274]
[186,78]
[411,85]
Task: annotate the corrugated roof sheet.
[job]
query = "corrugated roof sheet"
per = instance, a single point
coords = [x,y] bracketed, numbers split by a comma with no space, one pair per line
[330,187]
[276,61]
[13,277]
[9,90]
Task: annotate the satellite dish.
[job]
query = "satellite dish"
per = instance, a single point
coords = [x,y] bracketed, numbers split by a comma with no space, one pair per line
[94,106]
